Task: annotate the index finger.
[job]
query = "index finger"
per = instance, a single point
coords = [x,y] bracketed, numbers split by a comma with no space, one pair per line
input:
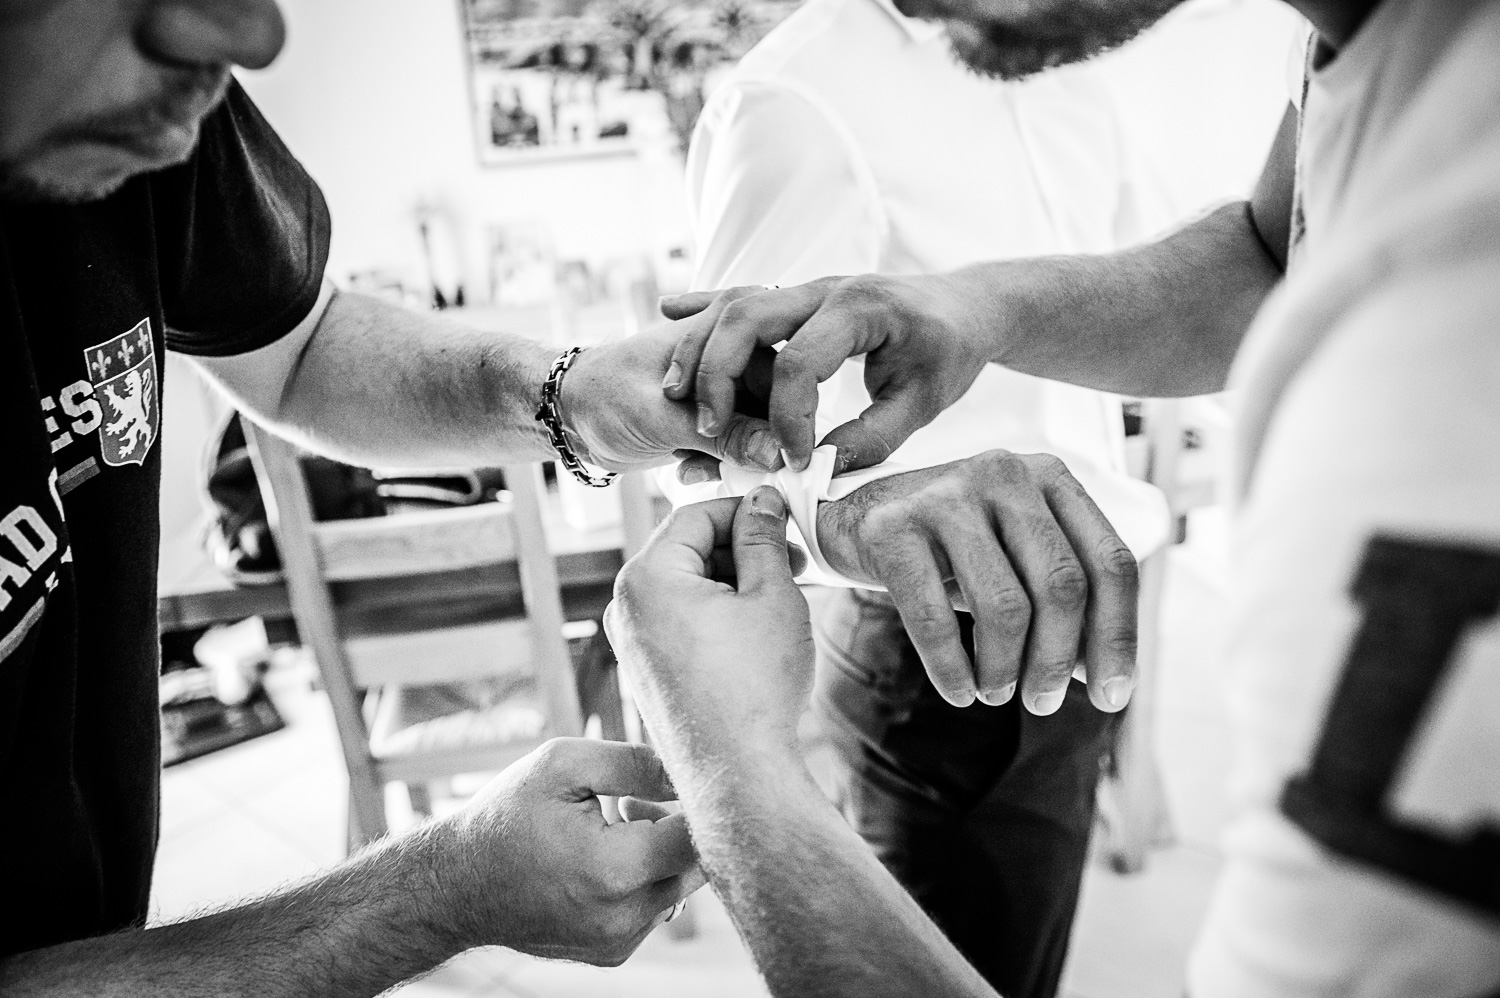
[916,587]
[759,319]
[614,769]
[697,325]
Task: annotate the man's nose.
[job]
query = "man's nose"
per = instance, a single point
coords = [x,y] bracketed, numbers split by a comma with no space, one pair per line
[245,33]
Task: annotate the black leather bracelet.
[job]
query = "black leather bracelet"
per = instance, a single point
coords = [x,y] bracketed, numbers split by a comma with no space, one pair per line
[550,416]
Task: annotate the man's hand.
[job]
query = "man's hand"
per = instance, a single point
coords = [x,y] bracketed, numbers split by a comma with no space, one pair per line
[529,863]
[713,635]
[533,865]
[614,410]
[1015,540]
[924,347]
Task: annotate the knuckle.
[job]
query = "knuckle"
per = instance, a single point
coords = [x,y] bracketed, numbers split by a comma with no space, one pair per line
[1048,467]
[1118,640]
[1004,467]
[889,520]
[1009,606]
[950,492]
[616,885]
[1049,674]
[935,623]
[710,374]
[735,439]
[630,580]
[736,312]
[1066,586]
[862,291]
[553,753]
[692,340]
[1117,561]
[789,365]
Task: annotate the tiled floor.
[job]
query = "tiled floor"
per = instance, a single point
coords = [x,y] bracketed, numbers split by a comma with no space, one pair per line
[247,819]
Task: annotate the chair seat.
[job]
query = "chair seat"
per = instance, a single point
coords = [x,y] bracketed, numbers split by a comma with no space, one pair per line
[405,727]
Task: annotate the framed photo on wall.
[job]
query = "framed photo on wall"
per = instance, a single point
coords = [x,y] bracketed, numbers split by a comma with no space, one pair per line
[551,78]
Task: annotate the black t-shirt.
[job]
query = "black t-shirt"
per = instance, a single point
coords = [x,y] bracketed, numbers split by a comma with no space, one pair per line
[219,256]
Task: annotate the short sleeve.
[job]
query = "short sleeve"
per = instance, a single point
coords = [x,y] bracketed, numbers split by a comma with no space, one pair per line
[242,236]
[1365,664]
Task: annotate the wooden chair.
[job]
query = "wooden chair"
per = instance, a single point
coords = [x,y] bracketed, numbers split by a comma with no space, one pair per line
[370,668]
[1132,798]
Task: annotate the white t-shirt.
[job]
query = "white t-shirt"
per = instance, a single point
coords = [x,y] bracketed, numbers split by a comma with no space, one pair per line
[851,141]
[1365,653]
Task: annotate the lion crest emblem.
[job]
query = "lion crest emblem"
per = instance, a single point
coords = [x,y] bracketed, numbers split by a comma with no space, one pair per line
[123,371]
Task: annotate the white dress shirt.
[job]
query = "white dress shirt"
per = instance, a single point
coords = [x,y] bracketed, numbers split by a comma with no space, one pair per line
[850,141]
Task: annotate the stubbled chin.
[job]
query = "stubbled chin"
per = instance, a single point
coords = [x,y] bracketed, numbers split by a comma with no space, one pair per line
[77,174]
[981,54]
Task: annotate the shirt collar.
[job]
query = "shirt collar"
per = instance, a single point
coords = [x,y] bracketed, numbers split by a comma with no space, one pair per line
[916,29]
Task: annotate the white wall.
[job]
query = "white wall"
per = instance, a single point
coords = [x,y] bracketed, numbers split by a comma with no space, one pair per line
[372,96]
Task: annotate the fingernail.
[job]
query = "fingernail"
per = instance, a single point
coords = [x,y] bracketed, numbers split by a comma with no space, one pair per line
[763,449]
[1048,702]
[841,461]
[707,425]
[674,376]
[793,464]
[960,698]
[996,697]
[694,475]
[666,300]
[1117,691]
[766,501]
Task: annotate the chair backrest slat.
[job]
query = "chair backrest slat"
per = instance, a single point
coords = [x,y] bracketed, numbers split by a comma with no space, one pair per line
[543,596]
[289,508]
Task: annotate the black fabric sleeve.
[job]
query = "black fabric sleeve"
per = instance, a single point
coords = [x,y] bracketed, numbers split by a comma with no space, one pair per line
[242,236]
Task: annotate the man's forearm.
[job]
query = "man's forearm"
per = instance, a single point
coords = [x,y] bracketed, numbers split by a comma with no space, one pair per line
[376,920]
[382,385]
[1161,320]
[821,915]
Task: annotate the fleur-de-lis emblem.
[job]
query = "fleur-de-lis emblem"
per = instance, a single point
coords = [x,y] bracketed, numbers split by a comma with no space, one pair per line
[129,396]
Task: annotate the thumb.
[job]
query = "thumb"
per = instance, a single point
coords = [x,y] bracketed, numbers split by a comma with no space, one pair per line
[682,306]
[874,434]
[760,548]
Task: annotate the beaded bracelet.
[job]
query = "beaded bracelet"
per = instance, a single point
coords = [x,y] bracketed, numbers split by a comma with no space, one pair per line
[550,416]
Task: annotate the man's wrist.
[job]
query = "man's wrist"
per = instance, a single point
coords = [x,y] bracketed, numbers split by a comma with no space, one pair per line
[514,371]
[444,896]
[983,297]
[578,397]
[712,767]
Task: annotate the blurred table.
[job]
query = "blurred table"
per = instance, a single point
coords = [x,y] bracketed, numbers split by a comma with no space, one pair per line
[195,594]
